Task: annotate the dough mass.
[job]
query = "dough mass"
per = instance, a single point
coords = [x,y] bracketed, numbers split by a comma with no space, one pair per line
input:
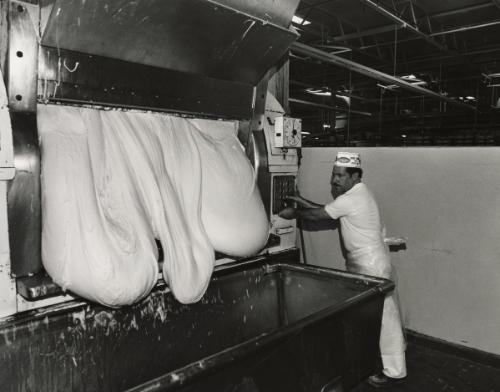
[114,181]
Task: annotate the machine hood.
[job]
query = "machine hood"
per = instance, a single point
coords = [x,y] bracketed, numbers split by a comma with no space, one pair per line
[232,40]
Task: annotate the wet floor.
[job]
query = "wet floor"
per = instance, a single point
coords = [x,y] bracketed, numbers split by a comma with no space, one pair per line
[430,370]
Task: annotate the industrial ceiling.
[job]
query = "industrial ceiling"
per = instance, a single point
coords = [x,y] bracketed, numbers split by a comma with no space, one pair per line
[403,72]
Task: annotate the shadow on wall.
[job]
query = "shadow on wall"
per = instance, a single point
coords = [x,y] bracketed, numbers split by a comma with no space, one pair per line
[332,225]
[319,226]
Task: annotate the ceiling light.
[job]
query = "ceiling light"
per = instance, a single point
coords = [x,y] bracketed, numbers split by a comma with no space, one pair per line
[409,77]
[470,98]
[388,87]
[300,21]
[319,91]
[326,126]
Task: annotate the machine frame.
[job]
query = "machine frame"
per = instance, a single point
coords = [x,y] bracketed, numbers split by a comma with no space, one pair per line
[56,51]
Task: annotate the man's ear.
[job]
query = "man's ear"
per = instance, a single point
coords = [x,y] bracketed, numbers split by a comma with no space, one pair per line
[355,176]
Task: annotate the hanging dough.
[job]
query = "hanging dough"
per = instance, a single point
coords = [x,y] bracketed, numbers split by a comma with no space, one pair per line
[114,181]
[232,212]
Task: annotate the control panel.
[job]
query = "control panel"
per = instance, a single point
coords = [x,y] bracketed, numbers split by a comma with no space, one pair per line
[282,186]
[283,140]
[287,132]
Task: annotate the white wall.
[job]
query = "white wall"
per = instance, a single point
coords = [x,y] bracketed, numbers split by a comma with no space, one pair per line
[447,202]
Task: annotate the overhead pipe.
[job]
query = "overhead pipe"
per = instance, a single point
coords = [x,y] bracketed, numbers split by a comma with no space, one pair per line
[371,73]
[324,106]
[466,28]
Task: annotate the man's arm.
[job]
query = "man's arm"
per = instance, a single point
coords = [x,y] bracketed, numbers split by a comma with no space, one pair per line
[314,214]
[303,203]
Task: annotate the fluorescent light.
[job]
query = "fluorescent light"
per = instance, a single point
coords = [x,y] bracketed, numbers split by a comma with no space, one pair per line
[319,91]
[388,87]
[326,126]
[470,98]
[298,20]
[412,79]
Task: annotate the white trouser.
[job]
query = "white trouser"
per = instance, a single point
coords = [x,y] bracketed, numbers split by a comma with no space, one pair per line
[375,261]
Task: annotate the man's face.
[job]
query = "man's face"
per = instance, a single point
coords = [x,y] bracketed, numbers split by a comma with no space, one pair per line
[341,181]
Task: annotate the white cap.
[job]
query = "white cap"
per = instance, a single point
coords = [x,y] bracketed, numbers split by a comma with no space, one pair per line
[348,159]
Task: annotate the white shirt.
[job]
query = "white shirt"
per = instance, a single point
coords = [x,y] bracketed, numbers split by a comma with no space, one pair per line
[359,218]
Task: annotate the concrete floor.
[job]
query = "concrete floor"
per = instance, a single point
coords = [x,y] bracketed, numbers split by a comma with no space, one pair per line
[430,370]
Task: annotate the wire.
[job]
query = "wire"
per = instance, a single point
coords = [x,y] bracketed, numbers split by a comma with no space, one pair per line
[395,47]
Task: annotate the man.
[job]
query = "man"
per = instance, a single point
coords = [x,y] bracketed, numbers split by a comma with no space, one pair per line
[362,235]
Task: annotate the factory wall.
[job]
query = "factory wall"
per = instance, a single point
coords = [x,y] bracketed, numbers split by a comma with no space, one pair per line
[447,202]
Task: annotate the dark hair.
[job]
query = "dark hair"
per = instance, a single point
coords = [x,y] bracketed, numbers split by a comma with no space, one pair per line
[352,170]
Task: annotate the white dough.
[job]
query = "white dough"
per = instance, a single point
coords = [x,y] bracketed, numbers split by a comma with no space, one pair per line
[234,217]
[114,181]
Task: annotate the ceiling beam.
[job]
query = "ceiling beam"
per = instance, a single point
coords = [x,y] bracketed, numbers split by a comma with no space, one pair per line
[415,29]
[403,23]
[464,10]
[438,33]
[388,28]
[439,57]
[324,40]
[364,33]
[371,73]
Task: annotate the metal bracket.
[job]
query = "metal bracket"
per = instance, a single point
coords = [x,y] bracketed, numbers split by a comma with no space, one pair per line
[37,287]
[22,58]
[23,198]
[7,169]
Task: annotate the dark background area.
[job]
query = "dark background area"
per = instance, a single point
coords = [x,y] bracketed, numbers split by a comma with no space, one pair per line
[451,47]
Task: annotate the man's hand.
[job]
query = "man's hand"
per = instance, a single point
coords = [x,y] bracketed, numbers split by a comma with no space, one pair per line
[288,213]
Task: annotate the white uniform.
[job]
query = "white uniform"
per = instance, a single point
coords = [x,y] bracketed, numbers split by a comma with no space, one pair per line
[367,254]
